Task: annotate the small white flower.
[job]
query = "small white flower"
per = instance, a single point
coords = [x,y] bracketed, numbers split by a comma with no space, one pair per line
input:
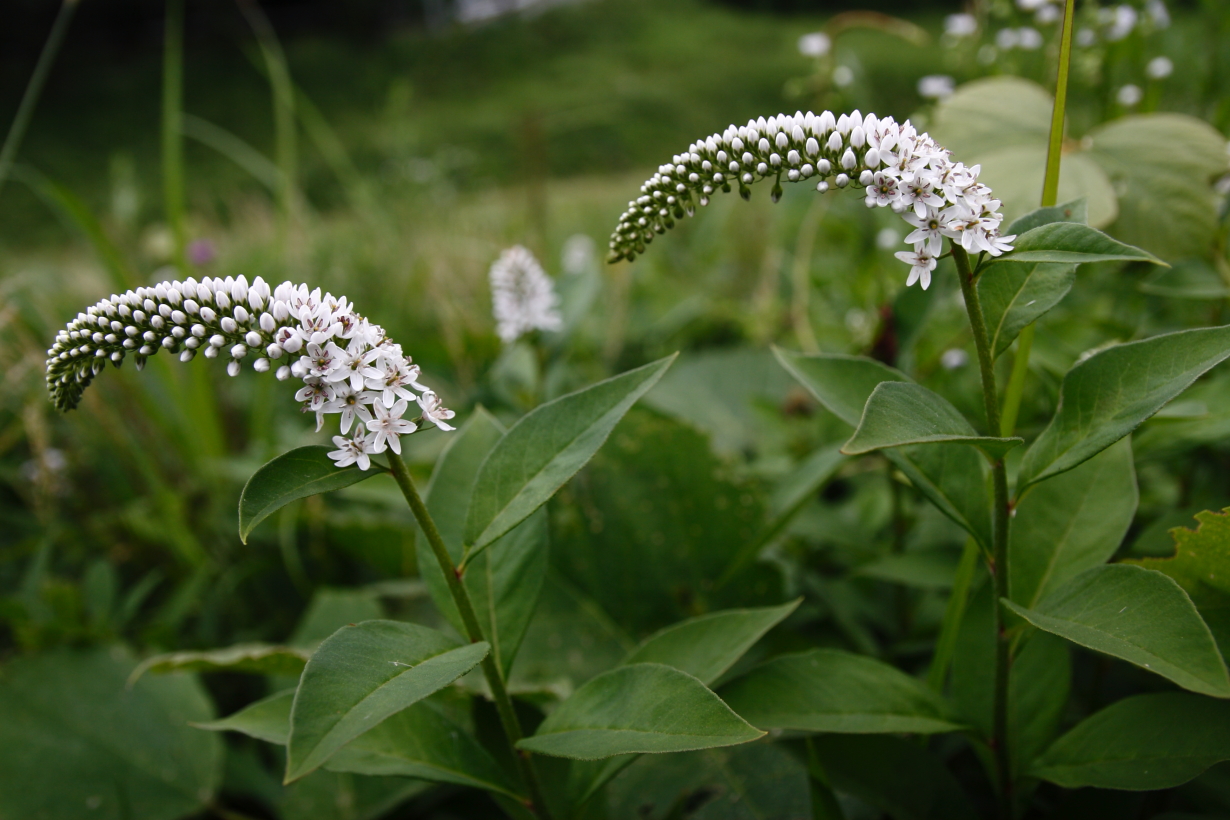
[522,296]
[351,403]
[921,264]
[389,426]
[954,358]
[322,360]
[936,87]
[888,238]
[1157,13]
[1007,39]
[1047,15]
[353,450]
[961,25]
[1086,37]
[816,44]
[1129,95]
[1159,68]
[393,378]
[433,411]
[843,75]
[578,254]
[1028,38]
[1121,21]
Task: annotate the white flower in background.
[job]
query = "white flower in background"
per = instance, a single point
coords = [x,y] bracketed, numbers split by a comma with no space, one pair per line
[1029,39]
[354,450]
[1129,95]
[1047,15]
[1120,21]
[1158,14]
[1159,68]
[936,86]
[1031,5]
[579,254]
[961,25]
[816,44]
[888,238]
[843,75]
[954,358]
[1086,37]
[522,296]
[1007,39]
[897,166]
[340,352]
[429,403]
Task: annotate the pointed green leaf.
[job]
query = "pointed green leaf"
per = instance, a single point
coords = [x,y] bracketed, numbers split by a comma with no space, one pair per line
[267,719]
[421,742]
[1109,394]
[301,472]
[505,580]
[1072,243]
[1137,615]
[1191,279]
[706,646]
[899,413]
[361,675]
[828,690]
[1074,522]
[643,708]
[546,448]
[257,658]
[950,476]
[1075,211]
[1015,294]
[1141,743]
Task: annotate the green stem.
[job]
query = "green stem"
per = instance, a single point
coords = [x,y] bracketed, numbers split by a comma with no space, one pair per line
[34,89]
[1050,197]
[172,129]
[999,541]
[495,678]
[954,613]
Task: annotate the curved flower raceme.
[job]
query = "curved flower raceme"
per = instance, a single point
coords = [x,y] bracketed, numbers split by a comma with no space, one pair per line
[898,168]
[348,365]
[523,297]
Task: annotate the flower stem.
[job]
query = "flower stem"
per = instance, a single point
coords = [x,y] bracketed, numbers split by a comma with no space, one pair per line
[999,537]
[172,129]
[1050,197]
[495,678]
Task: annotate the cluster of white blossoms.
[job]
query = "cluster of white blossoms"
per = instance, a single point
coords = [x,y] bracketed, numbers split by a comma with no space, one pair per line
[898,167]
[348,365]
[523,297]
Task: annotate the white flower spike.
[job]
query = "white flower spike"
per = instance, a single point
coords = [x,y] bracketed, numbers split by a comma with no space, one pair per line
[899,168]
[523,298]
[347,364]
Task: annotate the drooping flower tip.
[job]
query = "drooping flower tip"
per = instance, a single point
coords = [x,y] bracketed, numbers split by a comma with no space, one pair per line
[897,166]
[523,298]
[348,365]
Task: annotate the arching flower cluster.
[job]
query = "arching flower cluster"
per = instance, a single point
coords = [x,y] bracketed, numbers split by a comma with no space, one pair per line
[523,298]
[348,365]
[898,167]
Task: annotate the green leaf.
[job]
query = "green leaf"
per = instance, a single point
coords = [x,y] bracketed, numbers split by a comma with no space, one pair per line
[708,645]
[1016,294]
[896,775]
[899,413]
[950,476]
[267,719]
[1074,522]
[642,708]
[301,472]
[505,580]
[1075,211]
[75,741]
[416,742]
[1193,279]
[841,383]
[330,610]
[257,658]
[1109,394]
[546,448]
[1139,616]
[1072,243]
[922,569]
[1141,743]
[360,676]
[828,690]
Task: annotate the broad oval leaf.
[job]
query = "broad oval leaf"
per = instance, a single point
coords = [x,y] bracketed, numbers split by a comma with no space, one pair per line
[1075,211]
[76,742]
[1016,294]
[1072,243]
[1137,615]
[297,474]
[1071,523]
[900,413]
[708,645]
[256,658]
[643,708]
[829,690]
[546,448]
[1140,743]
[1108,395]
[841,383]
[362,674]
